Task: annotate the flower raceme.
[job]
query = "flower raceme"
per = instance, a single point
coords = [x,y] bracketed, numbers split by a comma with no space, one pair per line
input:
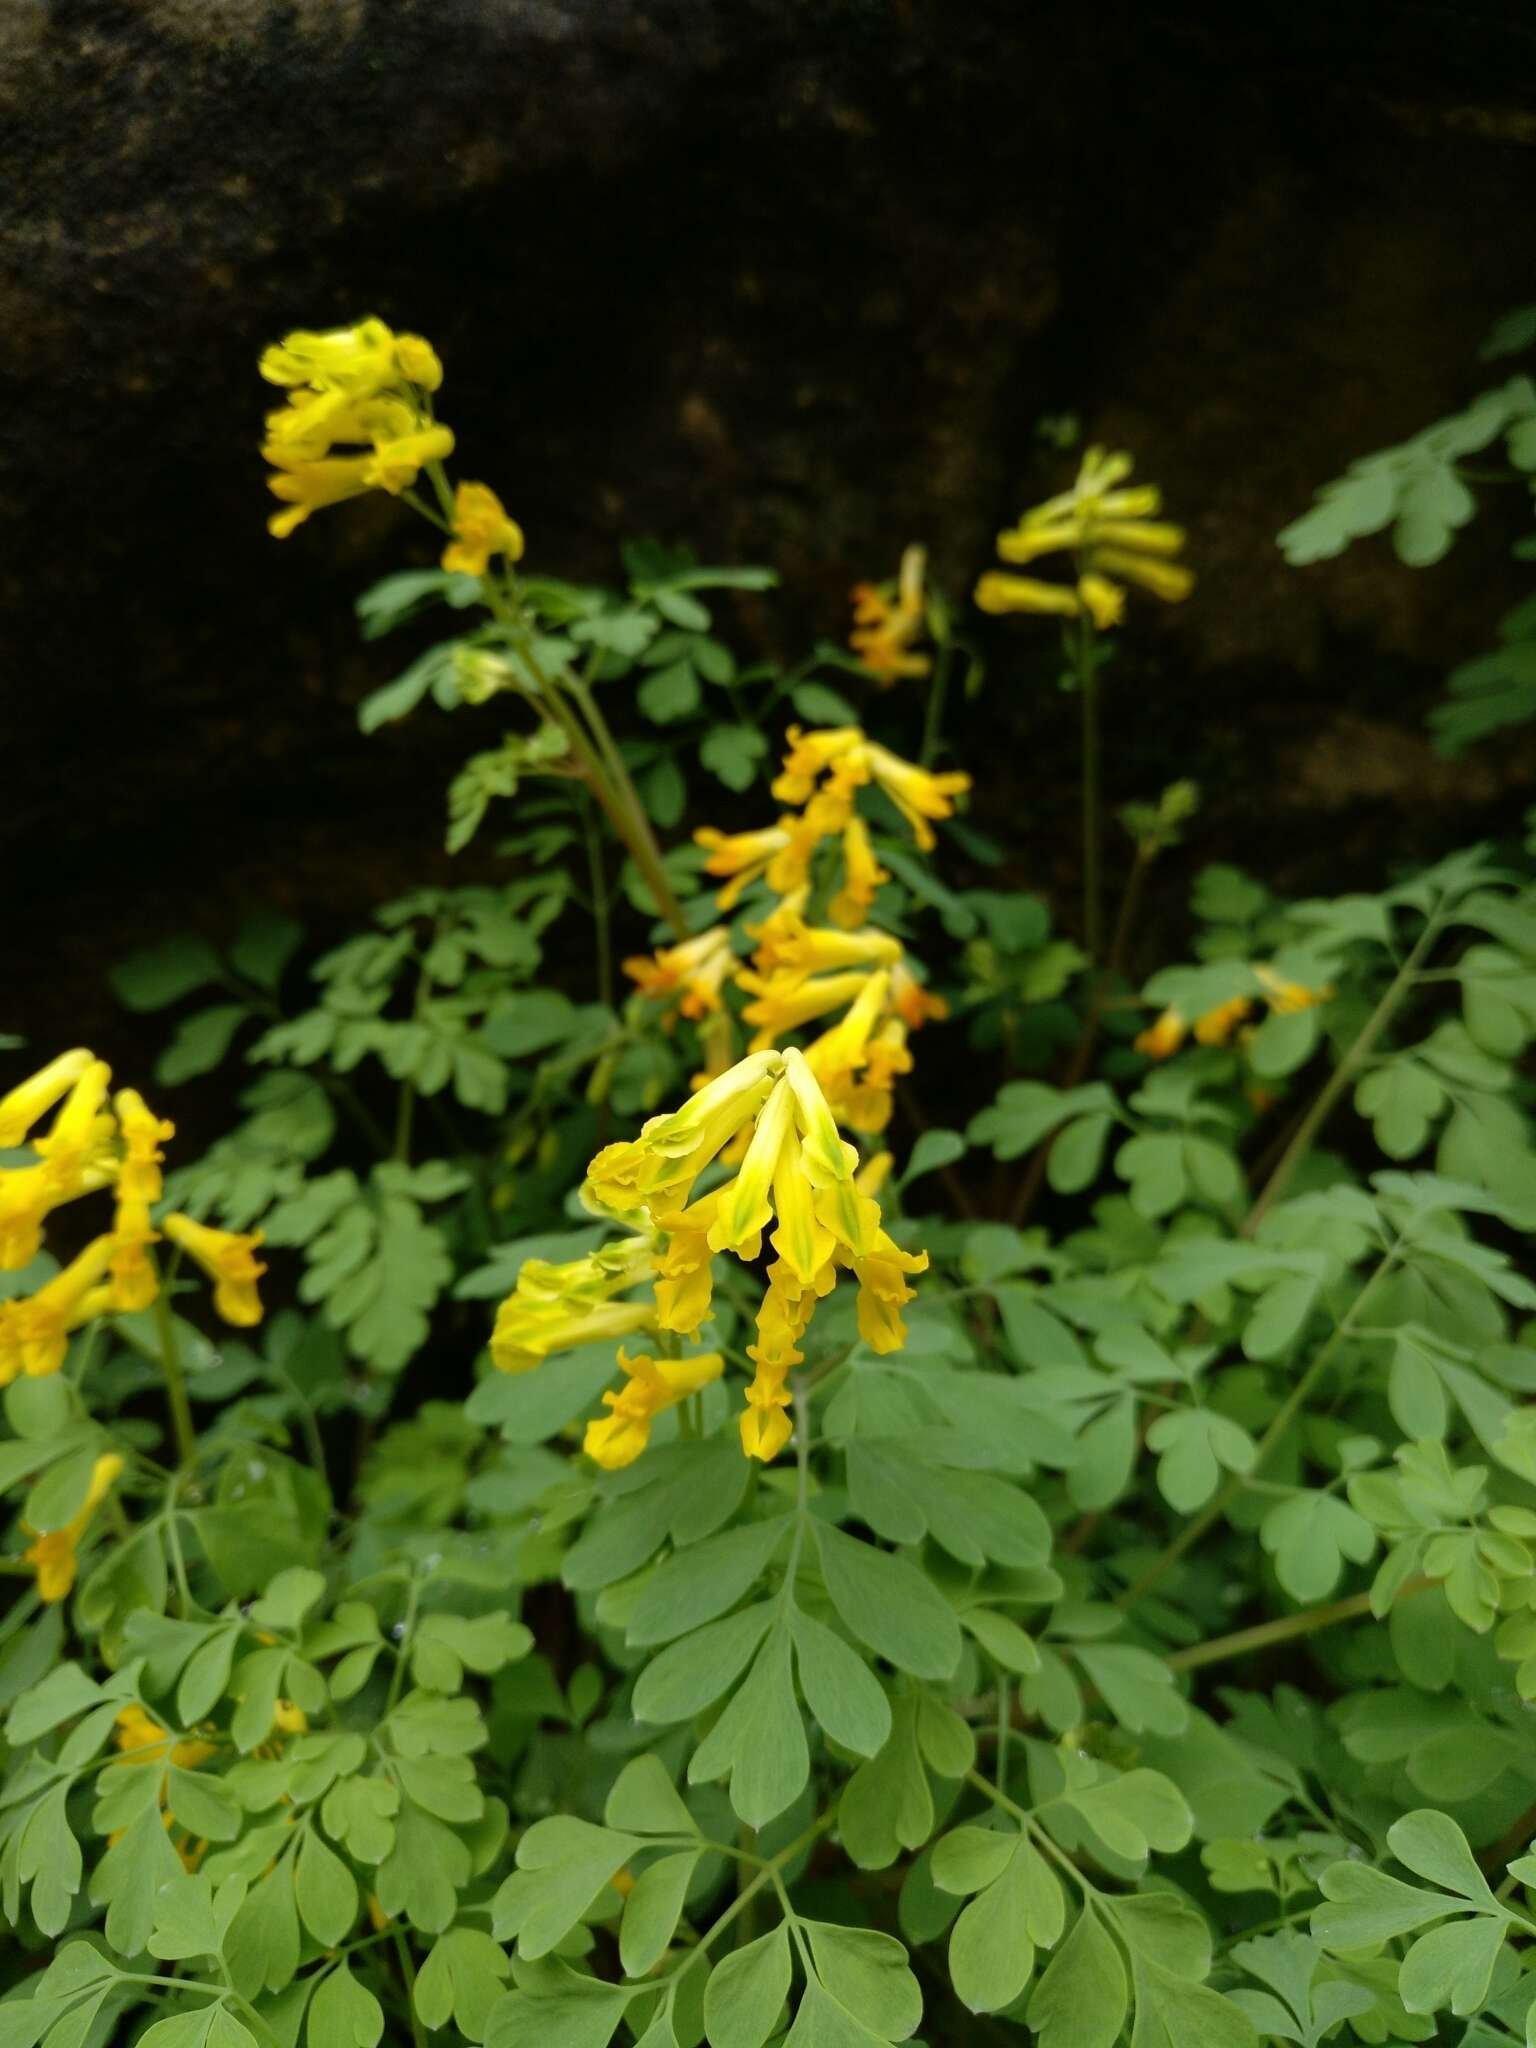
[93,1144]
[884,629]
[695,969]
[364,390]
[1113,537]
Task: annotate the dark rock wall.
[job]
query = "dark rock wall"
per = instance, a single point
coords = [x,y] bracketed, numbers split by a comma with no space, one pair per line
[794,282]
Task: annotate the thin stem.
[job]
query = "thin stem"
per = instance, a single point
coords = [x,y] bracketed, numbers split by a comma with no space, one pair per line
[639,838]
[175,1381]
[1289,1409]
[1004,1728]
[407,1631]
[408,1974]
[933,717]
[1286,1629]
[1343,1074]
[1085,664]
[601,940]
[405,1111]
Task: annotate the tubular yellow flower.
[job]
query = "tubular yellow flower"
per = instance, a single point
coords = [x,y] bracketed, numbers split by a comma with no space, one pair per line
[355,359]
[481,528]
[913,1003]
[1216,1026]
[862,876]
[307,486]
[143,1133]
[786,1001]
[1103,601]
[998,592]
[555,1307]
[916,792]
[812,754]
[30,1100]
[135,1284]
[787,945]
[651,1385]
[884,631]
[418,362]
[229,1259]
[1163,1037]
[80,1134]
[34,1332]
[697,966]
[395,465]
[1284,997]
[1112,534]
[1170,581]
[53,1556]
[143,1741]
[27,1196]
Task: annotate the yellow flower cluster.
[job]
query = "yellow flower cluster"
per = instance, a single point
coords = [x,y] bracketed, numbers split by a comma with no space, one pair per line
[1112,534]
[884,629]
[1168,1031]
[358,417]
[92,1144]
[795,1173]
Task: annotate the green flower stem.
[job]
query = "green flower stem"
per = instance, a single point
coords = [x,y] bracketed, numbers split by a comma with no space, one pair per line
[639,838]
[1194,1529]
[598,882]
[933,717]
[1266,1633]
[1343,1075]
[175,1380]
[1086,668]
[408,1977]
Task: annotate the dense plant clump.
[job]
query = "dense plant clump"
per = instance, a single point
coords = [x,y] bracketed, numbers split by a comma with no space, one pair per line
[700,1551]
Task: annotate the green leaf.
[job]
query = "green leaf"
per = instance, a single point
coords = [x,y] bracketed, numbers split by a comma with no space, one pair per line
[1137,1687]
[1082,1997]
[690,1675]
[1451,1966]
[670,693]
[324,1891]
[889,1605]
[868,1975]
[820,705]
[653,1909]
[759,1739]
[461,1980]
[557,2008]
[846,1700]
[934,1149]
[887,1805]
[746,1992]
[161,975]
[1135,1813]
[344,2013]
[698,1583]
[200,1042]
[562,1865]
[262,1945]
[644,1801]
[991,1957]
[732,752]
[1431,1845]
[1366,1906]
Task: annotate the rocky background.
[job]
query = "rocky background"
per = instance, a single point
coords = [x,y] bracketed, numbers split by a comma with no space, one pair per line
[794,282]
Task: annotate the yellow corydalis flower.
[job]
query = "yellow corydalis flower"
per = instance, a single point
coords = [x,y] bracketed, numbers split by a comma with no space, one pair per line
[778,854]
[143,1741]
[30,1100]
[1113,537]
[795,1185]
[54,1554]
[355,388]
[481,528]
[884,629]
[697,967]
[1163,1037]
[140,1183]
[73,1157]
[555,1307]
[651,1385]
[790,949]
[35,1331]
[229,1259]
[848,761]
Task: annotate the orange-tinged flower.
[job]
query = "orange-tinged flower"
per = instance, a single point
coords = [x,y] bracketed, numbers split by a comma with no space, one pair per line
[885,628]
[696,967]
[1163,1037]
